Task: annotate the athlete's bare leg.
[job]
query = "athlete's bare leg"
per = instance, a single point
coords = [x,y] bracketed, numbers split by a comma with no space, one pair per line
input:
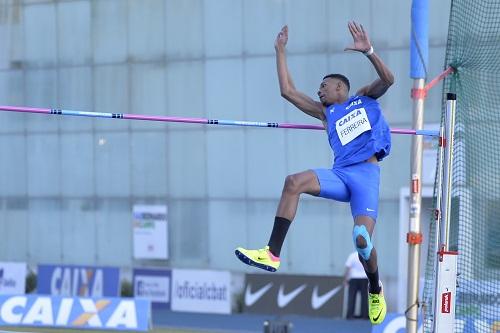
[370,265]
[295,185]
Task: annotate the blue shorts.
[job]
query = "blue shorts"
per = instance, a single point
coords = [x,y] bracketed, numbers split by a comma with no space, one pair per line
[357,184]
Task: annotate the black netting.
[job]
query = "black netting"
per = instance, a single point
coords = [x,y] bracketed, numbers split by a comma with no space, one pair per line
[474,50]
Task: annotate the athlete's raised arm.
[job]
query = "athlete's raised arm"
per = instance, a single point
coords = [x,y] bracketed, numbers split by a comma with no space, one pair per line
[287,88]
[361,43]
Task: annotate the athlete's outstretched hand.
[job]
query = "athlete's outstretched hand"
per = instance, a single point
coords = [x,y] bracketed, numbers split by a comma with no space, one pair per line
[360,37]
[281,39]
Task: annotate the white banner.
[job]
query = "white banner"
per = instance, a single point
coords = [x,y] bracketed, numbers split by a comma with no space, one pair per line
[153,284]
[150,232]
[12,278]
[201,291]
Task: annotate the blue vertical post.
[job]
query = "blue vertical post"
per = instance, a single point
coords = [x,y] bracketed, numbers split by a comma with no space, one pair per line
[419,39]
[419,46]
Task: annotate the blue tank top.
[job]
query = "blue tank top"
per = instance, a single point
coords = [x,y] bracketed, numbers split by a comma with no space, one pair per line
[357,130]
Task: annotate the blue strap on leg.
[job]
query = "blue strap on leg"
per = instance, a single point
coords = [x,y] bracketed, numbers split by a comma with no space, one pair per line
[360,230]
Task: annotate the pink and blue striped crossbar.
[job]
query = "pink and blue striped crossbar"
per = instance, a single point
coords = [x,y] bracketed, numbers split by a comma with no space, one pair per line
[192,120]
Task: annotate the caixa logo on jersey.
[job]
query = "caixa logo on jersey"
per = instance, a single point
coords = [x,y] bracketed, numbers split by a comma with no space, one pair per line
[78,281]
[294,294]
[74,312]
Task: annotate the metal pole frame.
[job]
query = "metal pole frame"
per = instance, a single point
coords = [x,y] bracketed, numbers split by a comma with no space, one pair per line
[448,162]
[446,260]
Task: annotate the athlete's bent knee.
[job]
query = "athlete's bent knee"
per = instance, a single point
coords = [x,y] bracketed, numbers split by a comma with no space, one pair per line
[292,184]
[362,241]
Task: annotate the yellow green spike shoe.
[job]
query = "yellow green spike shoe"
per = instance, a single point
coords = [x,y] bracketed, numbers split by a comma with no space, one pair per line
[377,307]
[262,258]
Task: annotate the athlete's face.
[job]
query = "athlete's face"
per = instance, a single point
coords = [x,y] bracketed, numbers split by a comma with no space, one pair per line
[331,91]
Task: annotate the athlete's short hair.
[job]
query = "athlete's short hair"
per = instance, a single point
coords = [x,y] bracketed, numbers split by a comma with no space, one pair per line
[339,77]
